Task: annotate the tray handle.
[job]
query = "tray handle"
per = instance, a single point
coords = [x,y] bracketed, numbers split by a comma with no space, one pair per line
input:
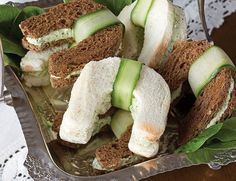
[5,96]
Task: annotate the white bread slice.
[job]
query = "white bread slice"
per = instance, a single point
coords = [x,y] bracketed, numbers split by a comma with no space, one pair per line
[90,97]
[149,110]
[35,66]
[133,37]
[158,31]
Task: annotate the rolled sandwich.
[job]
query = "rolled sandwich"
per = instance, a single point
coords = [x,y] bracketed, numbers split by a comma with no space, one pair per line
[152,28]
[211,75]
[90,31]
[124,84]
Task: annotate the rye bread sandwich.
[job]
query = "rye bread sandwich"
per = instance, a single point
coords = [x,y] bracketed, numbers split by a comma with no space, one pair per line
[54,27]
[123,84]
[71,34]
[211,75]
[152,28]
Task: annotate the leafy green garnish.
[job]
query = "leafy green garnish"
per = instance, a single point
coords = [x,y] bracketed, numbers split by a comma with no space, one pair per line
[115,5]
[216,139]
[7,17]
[197,142]
[227,132]
[12,47]
[10,34]
[208,153]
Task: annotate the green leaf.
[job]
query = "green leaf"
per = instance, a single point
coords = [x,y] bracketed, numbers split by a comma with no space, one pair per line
[24,14]
[207,154]
[227,132]
[7,16]
[32,11]
[9,46]
[115,5]
[12,61]
[198,142]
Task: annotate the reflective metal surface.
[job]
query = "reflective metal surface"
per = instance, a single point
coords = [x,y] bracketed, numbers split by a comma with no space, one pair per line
[5,96]
[201,6]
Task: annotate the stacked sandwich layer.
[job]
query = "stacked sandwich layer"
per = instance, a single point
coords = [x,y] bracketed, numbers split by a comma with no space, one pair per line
[216,99]
[53,33]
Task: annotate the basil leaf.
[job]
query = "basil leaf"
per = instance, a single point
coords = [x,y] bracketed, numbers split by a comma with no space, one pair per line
[198,142]
[115,5]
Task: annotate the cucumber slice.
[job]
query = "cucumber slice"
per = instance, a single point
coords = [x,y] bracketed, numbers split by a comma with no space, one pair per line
[133,38]
[158,32]
[140,12]
[91,23]
[126,80]
[120,122]
[206,67]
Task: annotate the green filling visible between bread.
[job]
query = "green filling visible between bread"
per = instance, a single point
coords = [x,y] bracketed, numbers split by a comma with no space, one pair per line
[64,33]
[224,107]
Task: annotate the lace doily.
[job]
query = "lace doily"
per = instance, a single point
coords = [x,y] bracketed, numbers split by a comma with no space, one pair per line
[215,11]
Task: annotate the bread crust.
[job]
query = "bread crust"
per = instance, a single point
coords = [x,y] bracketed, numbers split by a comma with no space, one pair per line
[103,44]
[57,17]
[207,105]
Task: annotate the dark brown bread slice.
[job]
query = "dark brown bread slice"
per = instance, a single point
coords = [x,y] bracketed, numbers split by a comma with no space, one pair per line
[58,17]
[175,70]
[56,127]
[103,44]
[207,105]
[110,156]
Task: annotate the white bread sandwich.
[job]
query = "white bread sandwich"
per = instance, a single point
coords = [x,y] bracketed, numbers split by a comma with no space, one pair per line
[124,84]
[35,66]
[152,28]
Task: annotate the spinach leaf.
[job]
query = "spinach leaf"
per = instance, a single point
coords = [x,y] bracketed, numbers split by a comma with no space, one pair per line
[24,14]
[227,132]
[7,16]
[12,61]
[198,142]
[215,140]
[32,11]
[115,5]
[12,47]
[209,153]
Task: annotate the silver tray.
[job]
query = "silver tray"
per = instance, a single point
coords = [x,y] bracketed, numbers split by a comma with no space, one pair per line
[47,160]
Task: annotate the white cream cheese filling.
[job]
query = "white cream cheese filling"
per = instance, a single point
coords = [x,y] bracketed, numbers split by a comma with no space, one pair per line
[74,73]
[224,107]
[64,33]
[176,93]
